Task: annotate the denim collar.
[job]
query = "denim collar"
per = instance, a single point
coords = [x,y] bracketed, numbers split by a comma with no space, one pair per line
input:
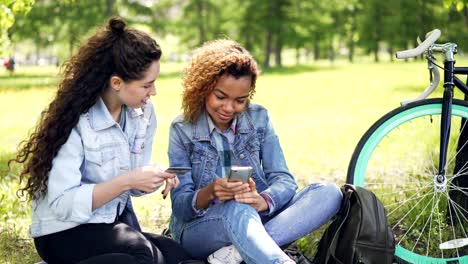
[201,130]
[212,126]
[100,117]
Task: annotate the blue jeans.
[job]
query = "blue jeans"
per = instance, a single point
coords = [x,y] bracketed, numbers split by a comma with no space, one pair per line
[258,238]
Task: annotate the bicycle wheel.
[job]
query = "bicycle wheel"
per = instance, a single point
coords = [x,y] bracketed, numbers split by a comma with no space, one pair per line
[398,160]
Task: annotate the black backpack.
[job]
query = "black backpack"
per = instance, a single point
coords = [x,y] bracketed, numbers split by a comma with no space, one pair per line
[359,233]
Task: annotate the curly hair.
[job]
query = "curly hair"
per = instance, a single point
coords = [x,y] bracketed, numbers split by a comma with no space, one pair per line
[209,62]
[113,50]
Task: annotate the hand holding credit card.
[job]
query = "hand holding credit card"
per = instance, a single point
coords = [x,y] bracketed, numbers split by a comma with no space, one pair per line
[178,170]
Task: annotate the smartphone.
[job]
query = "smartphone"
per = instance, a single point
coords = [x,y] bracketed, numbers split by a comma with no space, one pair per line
[241,173]
[178,170]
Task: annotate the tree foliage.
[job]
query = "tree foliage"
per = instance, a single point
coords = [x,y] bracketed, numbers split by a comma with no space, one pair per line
[312,29]
[8,10]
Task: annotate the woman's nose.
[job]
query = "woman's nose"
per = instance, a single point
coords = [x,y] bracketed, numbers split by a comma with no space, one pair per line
[152,90]
[228,107]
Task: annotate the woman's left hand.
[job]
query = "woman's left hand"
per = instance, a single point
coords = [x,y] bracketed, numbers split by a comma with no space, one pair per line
[252,198]
[170,184]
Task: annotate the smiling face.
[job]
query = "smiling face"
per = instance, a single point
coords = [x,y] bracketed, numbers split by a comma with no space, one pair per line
[135,93]
[228,98]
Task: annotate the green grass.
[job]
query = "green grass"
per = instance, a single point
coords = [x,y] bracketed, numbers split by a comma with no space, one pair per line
[319,113]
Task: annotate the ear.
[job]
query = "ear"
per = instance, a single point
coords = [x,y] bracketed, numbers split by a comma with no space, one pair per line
[115,82]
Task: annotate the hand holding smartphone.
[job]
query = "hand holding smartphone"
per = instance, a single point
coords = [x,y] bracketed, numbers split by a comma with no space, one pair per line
[240,173]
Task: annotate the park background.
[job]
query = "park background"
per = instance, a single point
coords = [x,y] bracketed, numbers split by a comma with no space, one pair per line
[328,73]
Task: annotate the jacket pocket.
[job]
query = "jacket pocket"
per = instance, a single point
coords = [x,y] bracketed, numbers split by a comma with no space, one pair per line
[100,165]
[139,144]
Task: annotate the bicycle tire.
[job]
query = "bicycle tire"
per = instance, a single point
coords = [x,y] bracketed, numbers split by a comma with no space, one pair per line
[380,158]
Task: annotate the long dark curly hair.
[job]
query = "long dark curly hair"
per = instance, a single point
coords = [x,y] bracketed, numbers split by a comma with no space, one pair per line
[114,50]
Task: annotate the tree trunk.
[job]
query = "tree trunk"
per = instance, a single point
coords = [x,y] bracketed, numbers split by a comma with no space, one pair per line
[38,53]
[465,14]
[279,47]
[351,44]
[390,52]
[201,26]
[266,62]
[331,50]
[376,52]
[269,38]
[109,8]
[316,48]
[298,55]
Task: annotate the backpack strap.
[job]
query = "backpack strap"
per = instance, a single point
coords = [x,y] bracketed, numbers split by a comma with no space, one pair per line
[345,212]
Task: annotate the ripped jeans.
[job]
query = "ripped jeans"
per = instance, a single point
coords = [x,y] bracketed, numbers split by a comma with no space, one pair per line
[259,238]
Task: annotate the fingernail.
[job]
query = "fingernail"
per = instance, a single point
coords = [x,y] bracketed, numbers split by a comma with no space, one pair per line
[164,196]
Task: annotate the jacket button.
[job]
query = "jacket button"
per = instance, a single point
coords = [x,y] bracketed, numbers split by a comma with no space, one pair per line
[241,156]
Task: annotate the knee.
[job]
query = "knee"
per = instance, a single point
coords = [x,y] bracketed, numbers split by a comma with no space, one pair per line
[334,195]
[331,193]
[143,251]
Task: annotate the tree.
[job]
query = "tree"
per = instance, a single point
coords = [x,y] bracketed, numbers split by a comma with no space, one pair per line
[203,20]
[8,10]
[372,26]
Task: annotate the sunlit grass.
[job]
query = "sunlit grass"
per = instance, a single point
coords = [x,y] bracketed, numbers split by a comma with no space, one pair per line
[319,113]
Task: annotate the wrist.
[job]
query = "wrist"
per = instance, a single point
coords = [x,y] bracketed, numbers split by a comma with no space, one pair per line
[125,181]
[209,192]
[266,203]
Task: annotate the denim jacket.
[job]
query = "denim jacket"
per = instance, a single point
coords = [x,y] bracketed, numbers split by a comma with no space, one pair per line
[97,150]
[255,144]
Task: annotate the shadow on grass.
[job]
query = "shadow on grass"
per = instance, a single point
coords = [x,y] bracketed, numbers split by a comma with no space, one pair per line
[25,82]
[297,69]
[170,75]
[22,81]
[22,75]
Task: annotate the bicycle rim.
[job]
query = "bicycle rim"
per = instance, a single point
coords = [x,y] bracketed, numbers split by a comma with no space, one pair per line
[398,159]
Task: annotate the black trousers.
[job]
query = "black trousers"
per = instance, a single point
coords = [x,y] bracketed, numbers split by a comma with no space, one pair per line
[108,243]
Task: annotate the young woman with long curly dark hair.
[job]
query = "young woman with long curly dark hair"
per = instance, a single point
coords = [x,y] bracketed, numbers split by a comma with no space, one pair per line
[91,151]
[233,221]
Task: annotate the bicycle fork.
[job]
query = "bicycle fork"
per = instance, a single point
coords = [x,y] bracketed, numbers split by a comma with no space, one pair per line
[446,117]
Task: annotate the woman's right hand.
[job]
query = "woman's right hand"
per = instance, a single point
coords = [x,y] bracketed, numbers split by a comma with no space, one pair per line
[148,178]
[220,189]
[225,190]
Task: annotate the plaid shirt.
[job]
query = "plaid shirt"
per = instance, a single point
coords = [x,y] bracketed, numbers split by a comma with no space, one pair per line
[223,142]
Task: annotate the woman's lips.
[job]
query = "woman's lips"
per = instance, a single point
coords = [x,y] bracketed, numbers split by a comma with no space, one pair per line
[225,117]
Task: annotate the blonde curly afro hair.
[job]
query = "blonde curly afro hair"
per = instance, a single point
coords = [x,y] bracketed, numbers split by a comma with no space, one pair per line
[209,62]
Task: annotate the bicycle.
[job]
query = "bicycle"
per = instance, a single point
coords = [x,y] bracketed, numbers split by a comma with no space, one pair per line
[415,158]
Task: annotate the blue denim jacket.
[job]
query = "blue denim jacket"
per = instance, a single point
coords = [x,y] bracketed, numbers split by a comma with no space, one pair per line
[96,151]
[255,144]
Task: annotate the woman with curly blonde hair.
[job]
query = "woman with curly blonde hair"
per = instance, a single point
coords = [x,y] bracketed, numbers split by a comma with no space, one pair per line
[216,213]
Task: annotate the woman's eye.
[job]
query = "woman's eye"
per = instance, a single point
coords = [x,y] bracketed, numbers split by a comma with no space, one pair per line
[219,97]
[240,101]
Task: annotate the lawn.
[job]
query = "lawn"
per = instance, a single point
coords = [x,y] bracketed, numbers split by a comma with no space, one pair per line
[319,112]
